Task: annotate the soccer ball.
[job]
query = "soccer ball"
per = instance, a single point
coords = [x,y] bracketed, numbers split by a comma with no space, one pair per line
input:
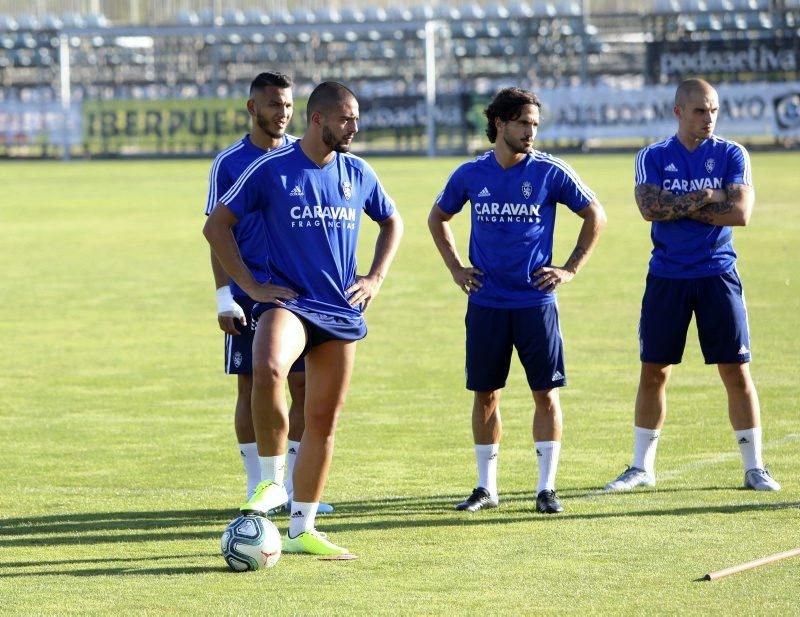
[251,542]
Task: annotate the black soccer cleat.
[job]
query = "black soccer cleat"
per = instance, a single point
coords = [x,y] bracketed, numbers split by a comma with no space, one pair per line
[479,499]
[547,503]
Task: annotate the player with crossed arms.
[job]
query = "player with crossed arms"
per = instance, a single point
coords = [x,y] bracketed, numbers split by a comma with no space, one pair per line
[693,187]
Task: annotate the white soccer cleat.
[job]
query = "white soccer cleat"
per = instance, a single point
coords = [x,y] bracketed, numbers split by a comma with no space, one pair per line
[760,480]
[630,479]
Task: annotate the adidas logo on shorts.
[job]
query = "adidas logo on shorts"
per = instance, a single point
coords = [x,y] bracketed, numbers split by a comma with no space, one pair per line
[557,376]
[743,350]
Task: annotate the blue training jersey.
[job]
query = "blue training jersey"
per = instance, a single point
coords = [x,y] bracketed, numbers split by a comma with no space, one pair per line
[513,219]
[685,248]
[311,217]
[249,231]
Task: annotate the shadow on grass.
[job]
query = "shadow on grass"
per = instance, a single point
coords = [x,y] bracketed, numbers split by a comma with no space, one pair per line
[70,562]
[406,512]
[168,525]
[125,571]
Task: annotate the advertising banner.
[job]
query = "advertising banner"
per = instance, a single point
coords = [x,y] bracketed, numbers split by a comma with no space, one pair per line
[752,59]
[582,113]
[23,125]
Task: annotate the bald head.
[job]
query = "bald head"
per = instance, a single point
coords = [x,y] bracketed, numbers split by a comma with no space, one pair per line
[689,87]
[328,96]
[696,109]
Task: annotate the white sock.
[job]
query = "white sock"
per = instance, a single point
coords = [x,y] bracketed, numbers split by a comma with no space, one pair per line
[749,441]
[272,467]
[645,442]
[249,452]
[547,452]
[293,447]
[302,517]
[486,457]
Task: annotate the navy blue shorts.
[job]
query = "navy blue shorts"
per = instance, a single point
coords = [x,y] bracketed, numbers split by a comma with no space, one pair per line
[239,348]
[492,335]
[320,328]
[717,303]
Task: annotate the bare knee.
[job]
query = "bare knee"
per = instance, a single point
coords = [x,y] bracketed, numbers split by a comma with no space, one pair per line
[488,401]
[654,377]
[297,388]
[268,374]
[244,388]
[736,377]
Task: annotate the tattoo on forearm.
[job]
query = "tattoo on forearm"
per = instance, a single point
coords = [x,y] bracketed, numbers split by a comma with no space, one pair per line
[709,213]
[660,205]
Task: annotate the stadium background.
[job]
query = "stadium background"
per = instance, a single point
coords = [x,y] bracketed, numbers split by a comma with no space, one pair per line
[119,471]
[145,77]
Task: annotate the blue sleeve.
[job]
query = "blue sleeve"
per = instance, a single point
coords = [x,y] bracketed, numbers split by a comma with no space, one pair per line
[454,195]
[219,181]
[647,171]
[573,193]
[738,167]
[246,194]
[377,204]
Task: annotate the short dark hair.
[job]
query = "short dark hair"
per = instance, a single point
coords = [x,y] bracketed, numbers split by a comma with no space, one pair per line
[327,95]
[507,105]
[270,78]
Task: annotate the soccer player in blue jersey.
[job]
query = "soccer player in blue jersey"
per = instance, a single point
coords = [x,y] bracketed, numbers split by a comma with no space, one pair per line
[270,106]
[693,187]
[511,281]
[311,195]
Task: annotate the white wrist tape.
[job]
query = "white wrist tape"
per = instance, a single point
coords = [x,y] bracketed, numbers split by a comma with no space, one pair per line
[226,305]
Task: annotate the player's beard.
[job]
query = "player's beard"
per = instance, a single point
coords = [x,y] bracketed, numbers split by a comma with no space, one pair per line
[517,147]
[268,128]
[329,139]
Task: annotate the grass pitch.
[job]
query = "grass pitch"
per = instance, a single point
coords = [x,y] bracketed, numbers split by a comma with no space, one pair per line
[119,470]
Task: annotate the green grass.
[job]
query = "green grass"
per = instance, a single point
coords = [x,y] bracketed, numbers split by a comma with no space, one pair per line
[118,466]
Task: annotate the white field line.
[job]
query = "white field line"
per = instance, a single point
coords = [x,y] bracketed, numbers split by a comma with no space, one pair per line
[724,457]
[675,473]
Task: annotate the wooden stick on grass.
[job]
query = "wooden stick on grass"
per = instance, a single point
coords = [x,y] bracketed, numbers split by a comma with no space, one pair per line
[713,576]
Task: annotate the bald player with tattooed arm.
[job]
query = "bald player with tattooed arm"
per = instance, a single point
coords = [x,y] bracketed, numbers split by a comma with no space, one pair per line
[693,187]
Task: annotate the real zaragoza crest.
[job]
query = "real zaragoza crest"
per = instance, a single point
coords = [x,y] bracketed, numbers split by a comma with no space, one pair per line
[347,189]
[527,189]
[710,165]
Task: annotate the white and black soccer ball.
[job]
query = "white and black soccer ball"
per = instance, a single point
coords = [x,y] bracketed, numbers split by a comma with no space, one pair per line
[251,542]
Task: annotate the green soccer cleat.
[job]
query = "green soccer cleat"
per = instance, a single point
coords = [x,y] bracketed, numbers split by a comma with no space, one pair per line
[267,496]
[312,542]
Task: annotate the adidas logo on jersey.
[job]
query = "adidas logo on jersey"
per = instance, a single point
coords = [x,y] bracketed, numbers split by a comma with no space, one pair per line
[743,350]
[556,376]
[484,193]
[296,192]
[671,167]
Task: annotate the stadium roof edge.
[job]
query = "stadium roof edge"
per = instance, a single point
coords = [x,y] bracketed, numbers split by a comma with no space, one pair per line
[175,30]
